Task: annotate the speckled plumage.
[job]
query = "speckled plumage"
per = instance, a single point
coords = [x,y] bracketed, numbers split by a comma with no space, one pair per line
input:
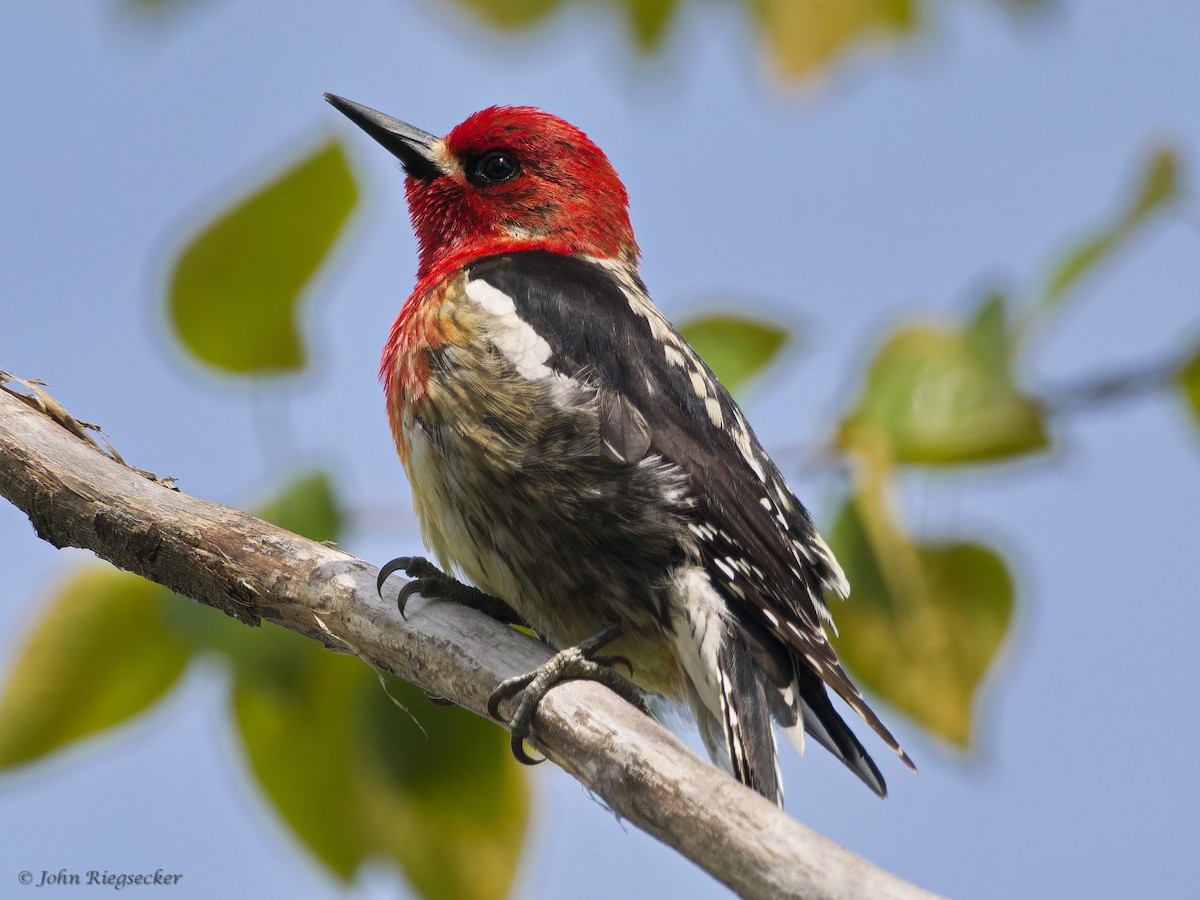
[514,490]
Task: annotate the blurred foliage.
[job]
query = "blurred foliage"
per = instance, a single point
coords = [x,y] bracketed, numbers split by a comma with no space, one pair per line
[735,348]
[353,775]
[235,287]
[806,36]
[1159,187]
[925,621]
[356,776]
[307,507]
[511,14]
[331,742]
[944,395]
[1189,380]
[101,654]
[802,38]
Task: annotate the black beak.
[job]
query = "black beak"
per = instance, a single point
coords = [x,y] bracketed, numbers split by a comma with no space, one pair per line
[412,146]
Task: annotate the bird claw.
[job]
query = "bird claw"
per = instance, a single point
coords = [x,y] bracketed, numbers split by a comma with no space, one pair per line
[614,661]
[571,664]
[412,566]
[518,751]
[390,568]
[430,581]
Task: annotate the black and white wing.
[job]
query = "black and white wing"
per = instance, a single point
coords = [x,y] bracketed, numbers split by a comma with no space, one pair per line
[757,541]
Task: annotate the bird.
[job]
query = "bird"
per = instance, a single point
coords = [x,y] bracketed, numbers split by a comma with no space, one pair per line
[575,460]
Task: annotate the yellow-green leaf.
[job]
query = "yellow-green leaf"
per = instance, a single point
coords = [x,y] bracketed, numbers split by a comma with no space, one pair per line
[1189,380]
[1078,262]
[935,395]
[235,288]
[988,339]
[924,622]
[511,13]
[806,37]
[650,19]
[297,738]
[735,348]
[100,655]
[1159,186]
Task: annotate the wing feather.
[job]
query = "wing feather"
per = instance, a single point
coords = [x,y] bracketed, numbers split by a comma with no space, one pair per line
[658,397]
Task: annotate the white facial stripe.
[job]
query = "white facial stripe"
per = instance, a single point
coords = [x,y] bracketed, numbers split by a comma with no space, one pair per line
[441,156]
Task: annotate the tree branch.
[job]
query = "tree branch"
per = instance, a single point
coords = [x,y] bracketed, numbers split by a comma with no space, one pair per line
[1098,390]
[76,496]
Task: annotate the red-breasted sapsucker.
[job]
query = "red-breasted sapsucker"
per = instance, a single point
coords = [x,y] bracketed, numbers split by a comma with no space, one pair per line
[572,455]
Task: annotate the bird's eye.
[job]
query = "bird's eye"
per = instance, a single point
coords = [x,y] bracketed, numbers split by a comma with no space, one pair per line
[495,167]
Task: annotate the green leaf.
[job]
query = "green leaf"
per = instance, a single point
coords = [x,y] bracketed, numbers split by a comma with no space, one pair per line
[1189,380]
[100,655]
[235,288]
[735,348]
[937,396]
[924,622]
[1158,188]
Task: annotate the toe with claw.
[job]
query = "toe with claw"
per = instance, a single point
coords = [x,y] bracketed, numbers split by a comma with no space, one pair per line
[573,663]
[430,581]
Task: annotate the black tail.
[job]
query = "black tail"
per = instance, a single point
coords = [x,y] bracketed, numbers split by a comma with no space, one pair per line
[746,719]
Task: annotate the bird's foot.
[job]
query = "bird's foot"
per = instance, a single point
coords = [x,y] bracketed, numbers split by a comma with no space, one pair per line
[430,581]
[573,663]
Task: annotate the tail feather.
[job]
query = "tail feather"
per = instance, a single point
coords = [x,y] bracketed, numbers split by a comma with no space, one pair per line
[746,721]
[740,678]
[800,703]
[822,721]
[730,676]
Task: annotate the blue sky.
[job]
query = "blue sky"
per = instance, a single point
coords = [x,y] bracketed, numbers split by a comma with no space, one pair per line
[910,181]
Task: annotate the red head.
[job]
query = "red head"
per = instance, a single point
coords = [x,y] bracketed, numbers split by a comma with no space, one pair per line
[508,178]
